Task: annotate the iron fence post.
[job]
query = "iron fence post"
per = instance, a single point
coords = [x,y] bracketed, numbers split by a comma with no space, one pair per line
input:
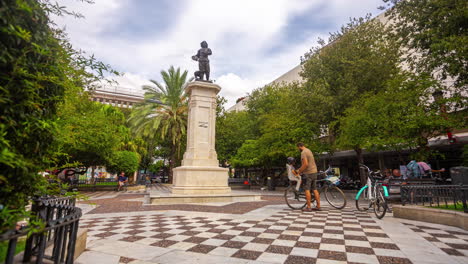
[11,250]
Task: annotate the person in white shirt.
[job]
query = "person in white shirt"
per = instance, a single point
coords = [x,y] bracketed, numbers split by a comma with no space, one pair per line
[292,174]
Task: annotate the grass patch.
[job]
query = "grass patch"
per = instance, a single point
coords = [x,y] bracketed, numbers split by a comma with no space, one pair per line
[4,247]
[453,207]
[99,184]
[107,183]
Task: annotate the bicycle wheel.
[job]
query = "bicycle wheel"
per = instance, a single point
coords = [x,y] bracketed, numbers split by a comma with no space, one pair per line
[363,203]
[294,199]
[380,206]
[335,197]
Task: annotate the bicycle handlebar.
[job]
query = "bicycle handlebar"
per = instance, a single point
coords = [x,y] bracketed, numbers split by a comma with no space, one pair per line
[373,175]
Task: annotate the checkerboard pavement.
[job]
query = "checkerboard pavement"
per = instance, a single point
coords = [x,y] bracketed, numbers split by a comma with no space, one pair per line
[108,194]
[452,242]
[327,236]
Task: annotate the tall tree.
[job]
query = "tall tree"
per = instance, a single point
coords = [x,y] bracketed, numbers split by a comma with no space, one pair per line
[358,59]
[126,161]
[435,33]
[403,116]
[163,114]
[89,132]
[37,67]
[282,122]
[232,130]
[33,69]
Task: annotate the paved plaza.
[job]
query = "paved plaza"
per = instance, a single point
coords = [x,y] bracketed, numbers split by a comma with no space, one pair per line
[123,230]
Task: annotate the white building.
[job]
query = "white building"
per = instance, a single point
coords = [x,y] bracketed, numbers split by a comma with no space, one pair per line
[124,97]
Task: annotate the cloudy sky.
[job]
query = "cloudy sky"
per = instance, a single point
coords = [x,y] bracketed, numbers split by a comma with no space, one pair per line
[253,41]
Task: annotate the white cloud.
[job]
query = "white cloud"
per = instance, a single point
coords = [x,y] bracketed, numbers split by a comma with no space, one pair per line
[234,87]
[131,82]
[239,32]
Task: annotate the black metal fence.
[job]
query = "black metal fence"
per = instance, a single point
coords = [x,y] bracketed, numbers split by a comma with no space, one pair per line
[61,219]
[447,196]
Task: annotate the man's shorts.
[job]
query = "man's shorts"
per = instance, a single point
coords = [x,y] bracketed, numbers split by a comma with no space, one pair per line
[311,183]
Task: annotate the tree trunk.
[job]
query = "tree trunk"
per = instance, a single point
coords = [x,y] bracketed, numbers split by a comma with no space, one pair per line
[423,149]
[171,163]
[92,174]
[362,172]
[400,158]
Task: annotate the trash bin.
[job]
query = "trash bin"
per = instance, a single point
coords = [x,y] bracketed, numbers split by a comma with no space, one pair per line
[270,184]
[459,175]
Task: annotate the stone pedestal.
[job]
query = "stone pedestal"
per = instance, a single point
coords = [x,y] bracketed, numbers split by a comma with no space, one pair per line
[200,172]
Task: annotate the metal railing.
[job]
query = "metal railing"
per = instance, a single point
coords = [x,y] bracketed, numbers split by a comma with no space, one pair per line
[61,219]
[436,195]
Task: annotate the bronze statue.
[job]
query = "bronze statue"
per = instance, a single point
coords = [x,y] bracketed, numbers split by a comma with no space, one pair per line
[203,62]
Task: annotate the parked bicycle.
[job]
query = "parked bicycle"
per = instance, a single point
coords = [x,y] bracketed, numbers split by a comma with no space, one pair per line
[373,194]
[296,199]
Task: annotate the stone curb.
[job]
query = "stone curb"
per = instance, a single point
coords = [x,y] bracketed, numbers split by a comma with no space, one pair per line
[430,215]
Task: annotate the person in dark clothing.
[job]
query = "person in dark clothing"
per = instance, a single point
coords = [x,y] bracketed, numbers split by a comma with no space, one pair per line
[122,180]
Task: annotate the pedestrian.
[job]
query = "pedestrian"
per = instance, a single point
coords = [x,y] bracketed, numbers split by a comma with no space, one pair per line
[122,180]
[309,168]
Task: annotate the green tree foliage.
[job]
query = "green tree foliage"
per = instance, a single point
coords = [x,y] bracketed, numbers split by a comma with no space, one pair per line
[436,34]
[276,121]
[232,129]
[32,83]
[126,161]
[37,67]
[248,155]
[90,132]
[163,114]
[404,115]
[358,59]
[156,167]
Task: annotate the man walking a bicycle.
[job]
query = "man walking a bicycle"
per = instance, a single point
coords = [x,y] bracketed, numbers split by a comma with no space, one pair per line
[309,169]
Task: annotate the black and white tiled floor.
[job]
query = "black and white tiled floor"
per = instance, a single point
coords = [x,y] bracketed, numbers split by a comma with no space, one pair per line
[452,242]
[328,236]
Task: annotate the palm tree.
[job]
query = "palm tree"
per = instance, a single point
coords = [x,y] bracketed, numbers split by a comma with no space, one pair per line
[163,114]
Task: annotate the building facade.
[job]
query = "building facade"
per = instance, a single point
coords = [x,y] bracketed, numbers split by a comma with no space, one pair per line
[118,96]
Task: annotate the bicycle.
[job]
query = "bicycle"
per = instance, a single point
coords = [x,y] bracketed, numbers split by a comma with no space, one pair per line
[335,197]
[371,194]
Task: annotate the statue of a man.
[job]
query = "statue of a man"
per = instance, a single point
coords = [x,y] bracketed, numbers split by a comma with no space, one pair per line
[203,62]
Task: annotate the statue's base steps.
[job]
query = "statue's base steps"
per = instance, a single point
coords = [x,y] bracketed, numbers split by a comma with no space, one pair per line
[197,198]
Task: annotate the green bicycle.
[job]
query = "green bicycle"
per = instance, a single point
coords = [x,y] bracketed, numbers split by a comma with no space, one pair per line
[373,194]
